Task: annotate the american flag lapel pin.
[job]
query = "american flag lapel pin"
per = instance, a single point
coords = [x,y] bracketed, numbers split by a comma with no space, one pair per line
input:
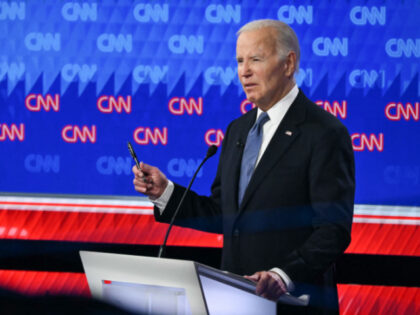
[288,133]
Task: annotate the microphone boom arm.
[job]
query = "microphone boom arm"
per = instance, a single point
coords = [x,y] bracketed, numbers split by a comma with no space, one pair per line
[211,151]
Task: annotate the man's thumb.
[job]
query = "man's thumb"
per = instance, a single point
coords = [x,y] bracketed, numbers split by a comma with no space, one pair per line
[145,167]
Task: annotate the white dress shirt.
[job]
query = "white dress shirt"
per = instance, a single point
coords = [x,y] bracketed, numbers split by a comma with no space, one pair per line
[276,114]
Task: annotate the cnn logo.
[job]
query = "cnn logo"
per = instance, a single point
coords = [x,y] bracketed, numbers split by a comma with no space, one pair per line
[180,106]
[147,135]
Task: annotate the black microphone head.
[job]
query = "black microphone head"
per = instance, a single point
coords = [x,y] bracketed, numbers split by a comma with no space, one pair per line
[211,151]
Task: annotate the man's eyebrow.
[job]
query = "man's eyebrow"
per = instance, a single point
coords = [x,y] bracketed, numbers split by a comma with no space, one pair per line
[252,56]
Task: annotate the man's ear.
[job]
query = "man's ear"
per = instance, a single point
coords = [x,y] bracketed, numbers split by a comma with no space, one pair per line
[290,64]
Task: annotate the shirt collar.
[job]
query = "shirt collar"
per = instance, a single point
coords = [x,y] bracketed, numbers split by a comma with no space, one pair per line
[277,112]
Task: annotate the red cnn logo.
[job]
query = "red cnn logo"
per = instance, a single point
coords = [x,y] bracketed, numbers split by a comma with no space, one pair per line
[107,103]
[362,142]
[214,136]
[394,111]
[180,105]
[72,134]
[246,106]
[34,102]
[145,135]
[336,108]
[12,132]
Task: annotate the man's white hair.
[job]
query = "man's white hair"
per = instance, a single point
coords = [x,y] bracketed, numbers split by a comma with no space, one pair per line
[286,38]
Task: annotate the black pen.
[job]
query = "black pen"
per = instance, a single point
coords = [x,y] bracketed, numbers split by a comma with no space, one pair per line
[133,155]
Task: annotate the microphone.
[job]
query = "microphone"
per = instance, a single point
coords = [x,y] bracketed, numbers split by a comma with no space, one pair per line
[210,152]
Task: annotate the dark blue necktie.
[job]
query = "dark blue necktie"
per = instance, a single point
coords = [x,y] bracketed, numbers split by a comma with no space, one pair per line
[249,158]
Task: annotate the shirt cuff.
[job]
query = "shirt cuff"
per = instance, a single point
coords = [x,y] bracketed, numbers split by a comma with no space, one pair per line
[289,284]
[163,200]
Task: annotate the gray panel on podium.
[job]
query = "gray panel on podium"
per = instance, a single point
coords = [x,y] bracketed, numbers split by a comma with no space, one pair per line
[150,285]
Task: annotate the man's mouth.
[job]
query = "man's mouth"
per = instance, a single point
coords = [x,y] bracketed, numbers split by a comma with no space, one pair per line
[249,85]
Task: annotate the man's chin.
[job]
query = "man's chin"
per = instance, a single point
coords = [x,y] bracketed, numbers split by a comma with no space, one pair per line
[251,98]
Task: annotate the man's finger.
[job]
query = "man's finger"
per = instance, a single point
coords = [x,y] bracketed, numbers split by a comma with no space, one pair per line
[139,184]
[262,284]
[140,189]
[273,290]
[138,173]
[270,285]
[146,168]
[255,277]
[135,170]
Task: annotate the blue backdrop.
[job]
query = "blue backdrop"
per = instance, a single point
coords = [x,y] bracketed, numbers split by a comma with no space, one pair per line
[79,79]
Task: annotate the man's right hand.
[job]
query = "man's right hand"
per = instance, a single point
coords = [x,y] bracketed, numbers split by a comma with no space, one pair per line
[149,180]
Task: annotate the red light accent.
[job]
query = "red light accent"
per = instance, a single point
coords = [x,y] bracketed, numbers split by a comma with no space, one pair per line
[107,281]
[73,205]
[130,224]
[372,299]
[388,217]
[103,227]
[385,239]
[44,282]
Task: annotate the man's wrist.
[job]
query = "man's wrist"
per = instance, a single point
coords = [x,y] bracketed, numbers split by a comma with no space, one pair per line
[287,281]
[163,199]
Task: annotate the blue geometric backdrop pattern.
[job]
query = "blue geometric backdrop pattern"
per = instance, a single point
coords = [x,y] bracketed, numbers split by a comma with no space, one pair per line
[78,79]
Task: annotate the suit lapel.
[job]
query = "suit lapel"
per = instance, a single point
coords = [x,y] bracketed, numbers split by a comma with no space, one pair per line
[285,135]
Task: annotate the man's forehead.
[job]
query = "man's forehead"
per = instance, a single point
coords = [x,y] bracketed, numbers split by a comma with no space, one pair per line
[263,38]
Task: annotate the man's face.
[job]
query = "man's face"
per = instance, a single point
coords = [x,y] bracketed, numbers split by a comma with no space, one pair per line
[265,77]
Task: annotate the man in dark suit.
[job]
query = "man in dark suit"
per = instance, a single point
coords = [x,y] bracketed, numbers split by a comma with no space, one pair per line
[284,190]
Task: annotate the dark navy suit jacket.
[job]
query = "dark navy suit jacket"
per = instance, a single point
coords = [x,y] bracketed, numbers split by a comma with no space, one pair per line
[297,211]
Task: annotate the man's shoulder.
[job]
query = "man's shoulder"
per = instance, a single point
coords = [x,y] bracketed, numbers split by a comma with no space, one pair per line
[245,119]
[317,116]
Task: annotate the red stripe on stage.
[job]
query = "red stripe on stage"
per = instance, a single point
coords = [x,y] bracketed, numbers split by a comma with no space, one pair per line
[385,239]
[373,300]
[134,228]
[99,228]
[389,217]
[44,282]
[50,204]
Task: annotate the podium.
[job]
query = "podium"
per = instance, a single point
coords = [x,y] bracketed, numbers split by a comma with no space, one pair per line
[147,285]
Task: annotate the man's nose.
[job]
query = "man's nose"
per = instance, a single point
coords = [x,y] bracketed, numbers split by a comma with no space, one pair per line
[246,70]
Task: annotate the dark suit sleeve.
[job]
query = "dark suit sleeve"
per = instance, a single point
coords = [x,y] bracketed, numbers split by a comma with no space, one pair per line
[198,212]
[331,188]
